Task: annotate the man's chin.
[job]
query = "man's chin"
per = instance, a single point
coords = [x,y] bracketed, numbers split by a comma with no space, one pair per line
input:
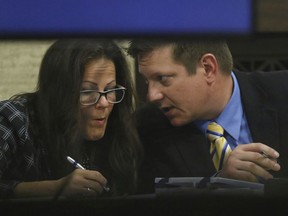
[177,122]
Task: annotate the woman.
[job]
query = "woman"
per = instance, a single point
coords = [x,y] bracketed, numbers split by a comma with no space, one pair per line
[82,108]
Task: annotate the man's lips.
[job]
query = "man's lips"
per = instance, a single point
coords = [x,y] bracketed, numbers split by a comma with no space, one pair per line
[167,111]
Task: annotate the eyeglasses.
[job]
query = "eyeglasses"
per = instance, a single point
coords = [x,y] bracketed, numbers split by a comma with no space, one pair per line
[90,97]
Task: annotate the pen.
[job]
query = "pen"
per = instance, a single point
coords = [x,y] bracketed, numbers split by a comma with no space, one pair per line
[77,165]
[264,154]
[74,163]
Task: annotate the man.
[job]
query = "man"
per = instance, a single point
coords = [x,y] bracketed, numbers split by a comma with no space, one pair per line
[192,84]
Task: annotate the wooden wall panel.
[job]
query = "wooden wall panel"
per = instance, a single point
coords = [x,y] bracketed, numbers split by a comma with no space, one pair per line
[271,16]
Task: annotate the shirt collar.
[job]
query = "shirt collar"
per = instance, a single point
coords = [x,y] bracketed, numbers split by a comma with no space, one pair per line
[231,117]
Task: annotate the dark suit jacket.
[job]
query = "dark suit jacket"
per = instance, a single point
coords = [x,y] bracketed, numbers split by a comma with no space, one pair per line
[184,151]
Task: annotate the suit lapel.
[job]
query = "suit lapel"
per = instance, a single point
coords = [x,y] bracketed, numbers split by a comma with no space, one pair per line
[262,117]
[194,152]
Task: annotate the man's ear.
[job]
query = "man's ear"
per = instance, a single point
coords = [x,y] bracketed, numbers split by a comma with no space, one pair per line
[209,64]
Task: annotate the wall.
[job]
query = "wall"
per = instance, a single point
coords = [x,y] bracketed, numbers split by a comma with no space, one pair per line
[19,65]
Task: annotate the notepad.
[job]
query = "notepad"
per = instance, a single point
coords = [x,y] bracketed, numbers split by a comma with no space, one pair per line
[205,182]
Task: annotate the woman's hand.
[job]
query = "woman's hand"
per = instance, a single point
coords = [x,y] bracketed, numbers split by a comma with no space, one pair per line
[83,182]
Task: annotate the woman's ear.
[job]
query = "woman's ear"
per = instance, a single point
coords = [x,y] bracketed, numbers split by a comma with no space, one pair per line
[209,64]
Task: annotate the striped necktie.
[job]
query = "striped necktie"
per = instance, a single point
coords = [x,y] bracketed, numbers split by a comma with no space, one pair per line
[219,147]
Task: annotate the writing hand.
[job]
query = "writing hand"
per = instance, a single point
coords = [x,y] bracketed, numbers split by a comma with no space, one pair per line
[83,182]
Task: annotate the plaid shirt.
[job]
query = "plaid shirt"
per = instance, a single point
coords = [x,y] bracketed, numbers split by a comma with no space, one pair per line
[20,158]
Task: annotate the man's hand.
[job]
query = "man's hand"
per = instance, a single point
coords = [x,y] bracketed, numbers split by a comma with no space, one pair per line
[251,162]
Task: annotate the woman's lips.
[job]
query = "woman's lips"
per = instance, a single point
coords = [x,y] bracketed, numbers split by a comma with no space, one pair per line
[99,122]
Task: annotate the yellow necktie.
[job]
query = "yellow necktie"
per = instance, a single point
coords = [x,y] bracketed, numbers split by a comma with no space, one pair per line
[219,147]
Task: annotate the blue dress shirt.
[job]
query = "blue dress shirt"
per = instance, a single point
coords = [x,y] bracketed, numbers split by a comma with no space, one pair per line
[232,119]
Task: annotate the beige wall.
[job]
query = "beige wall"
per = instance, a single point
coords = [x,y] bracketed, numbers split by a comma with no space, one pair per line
[19,64]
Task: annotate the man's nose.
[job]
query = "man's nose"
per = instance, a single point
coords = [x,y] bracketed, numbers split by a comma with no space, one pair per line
[154,94]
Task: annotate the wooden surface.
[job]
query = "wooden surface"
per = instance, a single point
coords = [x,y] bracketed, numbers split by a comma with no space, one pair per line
[271,16]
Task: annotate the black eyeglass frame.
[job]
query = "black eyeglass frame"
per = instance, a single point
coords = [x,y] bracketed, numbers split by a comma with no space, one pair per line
[104,93]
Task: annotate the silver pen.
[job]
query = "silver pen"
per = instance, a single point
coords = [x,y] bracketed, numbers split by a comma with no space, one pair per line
[77,165]
[264,154]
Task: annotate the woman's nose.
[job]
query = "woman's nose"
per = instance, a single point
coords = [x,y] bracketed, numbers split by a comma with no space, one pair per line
[102,101]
